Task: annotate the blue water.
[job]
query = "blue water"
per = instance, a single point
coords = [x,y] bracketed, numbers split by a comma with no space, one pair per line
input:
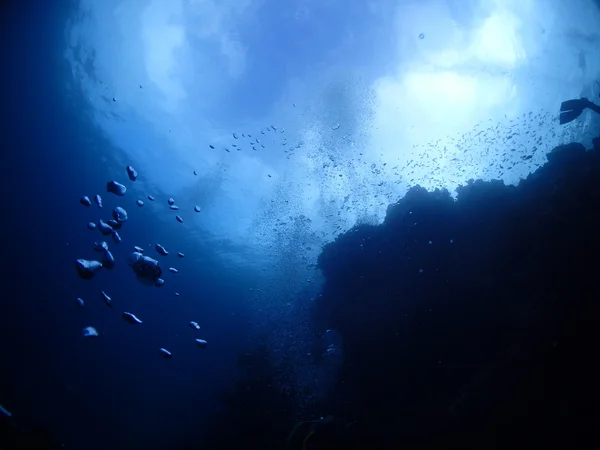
[449,318]
[83,389]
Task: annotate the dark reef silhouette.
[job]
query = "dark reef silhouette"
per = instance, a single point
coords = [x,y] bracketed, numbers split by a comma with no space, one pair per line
[470,323]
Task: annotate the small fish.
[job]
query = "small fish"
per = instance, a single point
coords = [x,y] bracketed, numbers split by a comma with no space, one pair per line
[5,411]
[166,353]
[131,318]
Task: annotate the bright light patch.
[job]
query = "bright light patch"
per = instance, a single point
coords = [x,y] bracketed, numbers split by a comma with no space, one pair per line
[437,92]
[497,41]
[162,39]
[424,106]
[450,84]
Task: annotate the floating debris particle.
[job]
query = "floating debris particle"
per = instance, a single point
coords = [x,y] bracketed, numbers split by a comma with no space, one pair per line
[194,325]
[119,214]
[166,353]
[116,236]
[91,225]
[171,201]
[131,173]
[85,201]
[159,282]
[235,136]
[146,269]
[336,127]
[101,246]
[114,224]
[116,188]
[108,260]
[79,302]
[174,207]
[197,208]
[98,200]
[161,250]
[104,227]
[179,219]
[87,269]
[131,318]
[150,198]
[138,249]
[140,203]
[181,255]
[173,270]
[89,332]
[211,146]
[201,343]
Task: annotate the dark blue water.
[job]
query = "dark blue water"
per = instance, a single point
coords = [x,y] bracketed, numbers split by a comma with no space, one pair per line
[111,391]
[468,324]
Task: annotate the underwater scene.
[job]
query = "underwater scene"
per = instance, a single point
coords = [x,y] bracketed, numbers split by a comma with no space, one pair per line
[300,224]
